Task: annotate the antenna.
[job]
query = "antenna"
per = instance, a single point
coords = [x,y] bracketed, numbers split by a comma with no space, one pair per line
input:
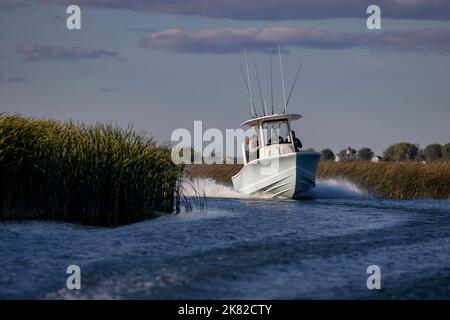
[293,84]
[249,84]
[265,107]
[271,84]
[260,92]
[252,106]
[282,79]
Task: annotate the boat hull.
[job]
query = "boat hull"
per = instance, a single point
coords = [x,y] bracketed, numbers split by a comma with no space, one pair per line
[285,176]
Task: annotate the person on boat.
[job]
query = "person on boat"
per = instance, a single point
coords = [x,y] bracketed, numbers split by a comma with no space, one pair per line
[275,137]
[297,143]
[253,148]
[246,143]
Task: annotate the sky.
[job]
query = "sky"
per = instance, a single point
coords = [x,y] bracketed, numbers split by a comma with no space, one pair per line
[159,65]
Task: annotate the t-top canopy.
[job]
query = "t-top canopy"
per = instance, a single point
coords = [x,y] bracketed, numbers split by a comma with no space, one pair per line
[274,117]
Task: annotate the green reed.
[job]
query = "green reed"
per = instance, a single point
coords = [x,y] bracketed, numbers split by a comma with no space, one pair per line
[394,180]
[94,174]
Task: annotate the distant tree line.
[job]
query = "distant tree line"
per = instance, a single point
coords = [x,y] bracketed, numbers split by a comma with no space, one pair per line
[397,152]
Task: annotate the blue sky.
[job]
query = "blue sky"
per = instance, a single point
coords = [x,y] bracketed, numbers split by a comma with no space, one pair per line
[161,67]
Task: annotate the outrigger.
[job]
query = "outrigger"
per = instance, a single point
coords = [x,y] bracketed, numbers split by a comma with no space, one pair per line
[274,165]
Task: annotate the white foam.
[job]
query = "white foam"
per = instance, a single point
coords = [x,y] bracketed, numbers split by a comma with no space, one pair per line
[334,188]
[331,188]
[210,188]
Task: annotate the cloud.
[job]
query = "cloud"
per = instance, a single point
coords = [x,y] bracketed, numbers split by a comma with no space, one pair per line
[12,80]
[108,90]
[33,52]
[144,30]
[231,40]
[277,9]
[7,5]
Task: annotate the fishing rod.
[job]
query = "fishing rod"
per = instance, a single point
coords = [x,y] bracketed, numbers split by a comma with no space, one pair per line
[282,79]
[249,84]
[260,92]
[252,106]
[293,84]
[271,83]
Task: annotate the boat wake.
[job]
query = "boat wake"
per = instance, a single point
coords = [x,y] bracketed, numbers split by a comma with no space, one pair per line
[209,188]
[332,188]
[325,189]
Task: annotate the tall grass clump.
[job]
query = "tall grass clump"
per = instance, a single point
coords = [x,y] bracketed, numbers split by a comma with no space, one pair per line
[94,174]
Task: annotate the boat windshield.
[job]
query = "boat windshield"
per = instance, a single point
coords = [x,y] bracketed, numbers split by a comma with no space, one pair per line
[275,132]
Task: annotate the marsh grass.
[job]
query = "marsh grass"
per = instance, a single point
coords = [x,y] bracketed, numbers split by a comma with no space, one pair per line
[94,174]
[393,180]
[220,172]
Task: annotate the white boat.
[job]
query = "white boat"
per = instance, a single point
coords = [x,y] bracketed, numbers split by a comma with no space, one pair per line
[274,165]
[279,169]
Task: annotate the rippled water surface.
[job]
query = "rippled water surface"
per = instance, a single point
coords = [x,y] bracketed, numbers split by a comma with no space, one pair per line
[319,247]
